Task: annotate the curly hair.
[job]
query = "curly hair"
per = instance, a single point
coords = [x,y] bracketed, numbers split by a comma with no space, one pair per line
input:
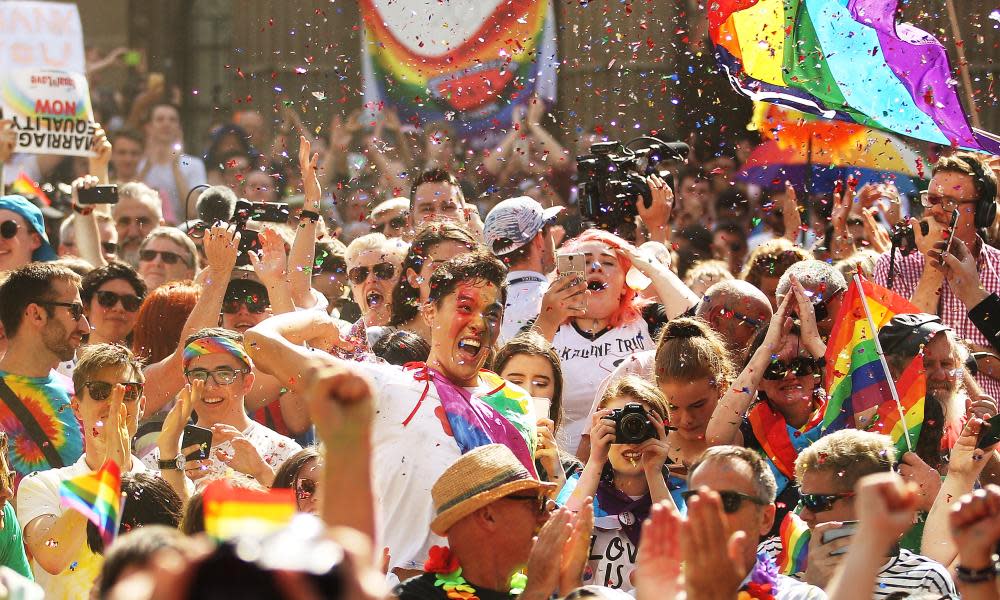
[772,259]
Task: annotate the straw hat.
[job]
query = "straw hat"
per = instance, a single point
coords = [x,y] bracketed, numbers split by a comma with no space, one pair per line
[480,477]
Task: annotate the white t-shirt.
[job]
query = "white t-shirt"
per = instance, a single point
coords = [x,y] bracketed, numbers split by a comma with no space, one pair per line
[38,495]
[160,177]
[524,301]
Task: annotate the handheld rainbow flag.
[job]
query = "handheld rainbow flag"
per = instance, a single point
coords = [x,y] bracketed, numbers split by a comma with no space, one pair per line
[794,534]
[861,393]
[232,511]
[96,496]
[843,59]
[26,186]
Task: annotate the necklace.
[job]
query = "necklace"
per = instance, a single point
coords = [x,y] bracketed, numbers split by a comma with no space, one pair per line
[448,575]
[763,580]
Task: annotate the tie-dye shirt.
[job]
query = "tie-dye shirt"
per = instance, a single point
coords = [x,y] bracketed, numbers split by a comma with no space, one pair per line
[47,399]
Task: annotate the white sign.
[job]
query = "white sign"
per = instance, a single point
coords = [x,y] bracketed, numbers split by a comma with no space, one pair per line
[45,35]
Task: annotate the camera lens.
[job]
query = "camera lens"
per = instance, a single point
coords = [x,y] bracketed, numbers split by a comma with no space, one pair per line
[633,426]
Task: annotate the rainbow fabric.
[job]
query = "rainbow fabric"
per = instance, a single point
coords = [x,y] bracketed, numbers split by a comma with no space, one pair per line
[96,496]
[233,511]
[215,345]
[780,442]
[843,59]
[794,534]
[25,186]
[859,394]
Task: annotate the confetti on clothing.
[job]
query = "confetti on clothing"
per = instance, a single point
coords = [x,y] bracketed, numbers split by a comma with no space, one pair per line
[96,496]
[794,553]
[859,394]
[233,511]
[48,400]
[843,59]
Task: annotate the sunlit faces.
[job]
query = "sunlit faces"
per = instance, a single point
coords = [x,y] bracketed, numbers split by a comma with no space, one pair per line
[690,405]
[942,367]
[16,251]
[113,323]
[307,488]
[158,268]
[734,475]
[957,189]
[790,393]
[164,124]
[464,326]
[532,373]
[625,459]
[605,279]
[220,402]
[93,413]
[373,291]
[436,201]
[125,156]
[823,482]
[62,334]
[134,219]
[439,253]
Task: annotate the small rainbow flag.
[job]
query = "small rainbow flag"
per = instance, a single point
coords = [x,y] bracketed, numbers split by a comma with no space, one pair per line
[794,534]
[233,511]
[98,497]
[26,186]
[859,393]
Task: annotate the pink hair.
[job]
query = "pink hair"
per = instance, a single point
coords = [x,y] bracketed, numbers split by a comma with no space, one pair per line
[631,305]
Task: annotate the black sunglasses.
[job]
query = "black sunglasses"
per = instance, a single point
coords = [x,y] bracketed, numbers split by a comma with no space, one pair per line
[731,501]
[130,302]
[800,367]
[101,390]
[109,247]
[170,258]
[822,309]
[382,271]
[305,489]
[330,265]
[255,303]
[818,503]
[8,229]
[75,308]
[543,504]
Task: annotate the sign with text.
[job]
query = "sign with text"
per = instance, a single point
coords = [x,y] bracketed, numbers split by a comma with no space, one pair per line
[45,35]
[50,111]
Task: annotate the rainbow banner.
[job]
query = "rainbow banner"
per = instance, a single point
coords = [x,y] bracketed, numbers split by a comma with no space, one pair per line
[794,535]
[468,63]
[233,511]
[96,496]
[859,393]
[844,59]
[27,187]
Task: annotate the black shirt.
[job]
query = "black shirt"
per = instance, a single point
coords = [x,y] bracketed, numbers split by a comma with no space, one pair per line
[422,587]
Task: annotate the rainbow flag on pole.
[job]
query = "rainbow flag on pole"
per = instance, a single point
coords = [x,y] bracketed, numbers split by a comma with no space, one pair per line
[860,390]
[98,497]
[794,535]
[844,59]
[233,511]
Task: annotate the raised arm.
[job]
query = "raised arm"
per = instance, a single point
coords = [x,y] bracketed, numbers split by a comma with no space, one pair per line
[277,345]
[88,236]
[303,252]
[271,265]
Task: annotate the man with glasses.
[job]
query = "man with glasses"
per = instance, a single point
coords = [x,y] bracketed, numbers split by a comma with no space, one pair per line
[44,322]
[747,490]
[139,210]
[108,401]
[827,473]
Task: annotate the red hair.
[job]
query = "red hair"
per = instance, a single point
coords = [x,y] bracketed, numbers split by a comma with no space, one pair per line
[161,320]
[631,304]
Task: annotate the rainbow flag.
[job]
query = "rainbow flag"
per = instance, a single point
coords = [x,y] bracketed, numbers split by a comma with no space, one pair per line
[233,511]
[843,59]
[27,187]
[859,394]
[98,497]
[794,535]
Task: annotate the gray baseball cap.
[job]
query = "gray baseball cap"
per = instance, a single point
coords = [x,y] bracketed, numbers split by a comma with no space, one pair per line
[514,222]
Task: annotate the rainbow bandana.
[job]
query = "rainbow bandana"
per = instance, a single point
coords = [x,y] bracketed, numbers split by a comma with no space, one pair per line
[215,345]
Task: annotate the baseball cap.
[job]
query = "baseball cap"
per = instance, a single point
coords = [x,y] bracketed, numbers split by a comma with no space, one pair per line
[514,222]
[33,215]
[906,334]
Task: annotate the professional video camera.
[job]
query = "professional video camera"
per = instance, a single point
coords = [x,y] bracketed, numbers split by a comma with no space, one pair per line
[613,177]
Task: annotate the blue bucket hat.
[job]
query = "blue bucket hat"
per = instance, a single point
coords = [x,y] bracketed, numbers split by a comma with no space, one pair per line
[33,215]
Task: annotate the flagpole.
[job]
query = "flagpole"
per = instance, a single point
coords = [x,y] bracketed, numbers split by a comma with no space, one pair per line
[963,67]
[885,366]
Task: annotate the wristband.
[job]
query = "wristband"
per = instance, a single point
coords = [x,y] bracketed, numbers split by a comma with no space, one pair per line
[309,215]
[82,210]
[967,575]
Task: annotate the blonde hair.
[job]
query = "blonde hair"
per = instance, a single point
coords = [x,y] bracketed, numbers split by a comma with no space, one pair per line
[850,454]
[635,388]
[865,259]
[689,349]
[394,249]
[707,273]
[177,237]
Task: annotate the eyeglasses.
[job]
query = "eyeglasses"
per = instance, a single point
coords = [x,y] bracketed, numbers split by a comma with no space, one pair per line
[130,302]
[822,309]
[75,308]
[818,503]
[221,376]
[330,265]
[800,367]
[543,504]
[142,222]
[731,501]
[948,203]
[107,247]
[382,271]
[255,304]
[305,489]
[101,390]
[170,258]
[394,223]
[8,229]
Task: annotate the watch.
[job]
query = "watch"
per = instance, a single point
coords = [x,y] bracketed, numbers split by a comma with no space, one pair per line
[310,215]
[173,464]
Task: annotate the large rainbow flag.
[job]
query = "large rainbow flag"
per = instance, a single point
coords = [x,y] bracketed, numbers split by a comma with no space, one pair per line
[233,511]
[96,496]
[844,59]
[858,388]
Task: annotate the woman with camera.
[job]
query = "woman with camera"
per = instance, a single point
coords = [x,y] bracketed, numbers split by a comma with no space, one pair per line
[624,475]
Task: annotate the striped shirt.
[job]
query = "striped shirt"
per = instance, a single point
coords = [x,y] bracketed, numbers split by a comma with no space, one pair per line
[906,572]
[951,310]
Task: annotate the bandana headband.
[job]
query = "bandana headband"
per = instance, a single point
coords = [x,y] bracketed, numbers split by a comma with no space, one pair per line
[215,345]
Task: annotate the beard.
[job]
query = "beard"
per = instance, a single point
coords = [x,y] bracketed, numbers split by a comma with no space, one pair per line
[128,251]
[57,341]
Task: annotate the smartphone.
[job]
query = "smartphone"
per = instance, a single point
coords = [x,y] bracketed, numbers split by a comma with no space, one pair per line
[241,214]
[543,407]
[249,242]
[846,530]
[989,434]
[270,212]
[194,435]
[571,264]
[99,194]
[951,228]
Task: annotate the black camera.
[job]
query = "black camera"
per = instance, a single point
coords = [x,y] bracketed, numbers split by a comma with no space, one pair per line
[632,424]
[613,177]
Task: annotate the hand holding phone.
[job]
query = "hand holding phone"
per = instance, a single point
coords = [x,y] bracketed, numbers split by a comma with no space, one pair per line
[951,230]
[571,264]
[197,436]
[989,433]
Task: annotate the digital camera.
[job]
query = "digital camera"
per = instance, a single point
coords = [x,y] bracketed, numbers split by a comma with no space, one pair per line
[632,424]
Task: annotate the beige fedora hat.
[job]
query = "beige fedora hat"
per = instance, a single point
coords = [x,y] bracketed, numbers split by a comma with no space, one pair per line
[481,476]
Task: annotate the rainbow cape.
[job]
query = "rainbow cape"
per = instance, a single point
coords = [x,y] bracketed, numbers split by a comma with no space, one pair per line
[843,59]
[859,394]
[27,187]
[794,534]
[233,511]
[96,496]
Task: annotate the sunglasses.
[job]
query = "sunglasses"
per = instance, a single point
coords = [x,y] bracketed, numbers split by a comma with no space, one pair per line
[800,367]
[75,308]
[8,229]
[543,504]
[101,390]
[255,304]
[170,258]
[731,501]
[305,489]
[107,247]
[394,223]
[822,309]
[929,200]
[130,302]
[221,376]
[382,271]
[330,265]
[818,503]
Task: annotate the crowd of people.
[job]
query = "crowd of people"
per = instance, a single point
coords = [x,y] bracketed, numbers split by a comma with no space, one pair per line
[472,390]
